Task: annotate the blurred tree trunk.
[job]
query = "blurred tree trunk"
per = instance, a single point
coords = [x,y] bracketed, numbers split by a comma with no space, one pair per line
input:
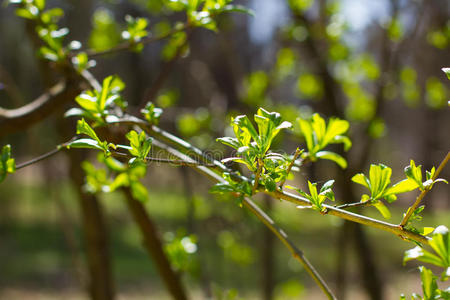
[192,229]
[268,269]
[101,286]
[154,246]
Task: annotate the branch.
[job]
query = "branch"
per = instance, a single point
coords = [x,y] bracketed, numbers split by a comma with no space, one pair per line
[355,204]
[283,237]
[262,216]
[296,155]
[395,229]
[39,158]
[411,210]
[126,45]
[13,120]
[331,210]
[150,159]
[154,246]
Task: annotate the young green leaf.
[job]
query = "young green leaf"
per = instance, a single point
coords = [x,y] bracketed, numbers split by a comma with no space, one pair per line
[84,128]
[318,135]
[440,243]
[139,143]
[339,160]
[152,113]
[7,164]
[429,285]
[139,191]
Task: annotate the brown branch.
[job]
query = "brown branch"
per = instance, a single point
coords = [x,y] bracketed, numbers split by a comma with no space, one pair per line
[13,120]
[154,246]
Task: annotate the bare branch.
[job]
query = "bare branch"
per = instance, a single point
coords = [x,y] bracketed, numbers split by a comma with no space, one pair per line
[13,120]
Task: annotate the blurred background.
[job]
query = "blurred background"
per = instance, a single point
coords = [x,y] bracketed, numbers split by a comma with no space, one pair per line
[375,63]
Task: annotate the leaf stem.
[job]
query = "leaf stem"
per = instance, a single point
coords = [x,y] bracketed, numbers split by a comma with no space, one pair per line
[419,198]
[257,175]
[288,170]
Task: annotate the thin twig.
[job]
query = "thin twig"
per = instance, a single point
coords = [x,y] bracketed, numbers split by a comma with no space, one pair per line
[39,158]
[351,205]
[165,160]
[46,155]
[288,170]
[126,45]
[416,204]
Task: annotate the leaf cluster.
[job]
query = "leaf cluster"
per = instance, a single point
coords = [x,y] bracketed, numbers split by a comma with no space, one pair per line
[318,198]
[440,244]
[98,105]
[378,184]
[252,146]
[319,135]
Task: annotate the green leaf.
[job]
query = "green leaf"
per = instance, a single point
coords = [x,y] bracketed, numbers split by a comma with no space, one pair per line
[221,188]
[335,127]
[333,157]
[152,113]
[414,173]
[440,242]
[7,164]
[140,144]
[318,134]
[270,184]
[360,178]
[383,209]
[237,8]
[84,143]
[139,191]
[244,125]
[380,177]
[447,72]
[31,12]
[84,128]
[114,165]
[421,255]
[307,132]
[88,102]
[40,4]
[403,186]
[229,141]
[429,285]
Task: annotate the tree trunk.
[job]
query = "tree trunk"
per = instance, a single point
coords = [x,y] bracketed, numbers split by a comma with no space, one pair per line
[154,246]
[267,257]
[101,286]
